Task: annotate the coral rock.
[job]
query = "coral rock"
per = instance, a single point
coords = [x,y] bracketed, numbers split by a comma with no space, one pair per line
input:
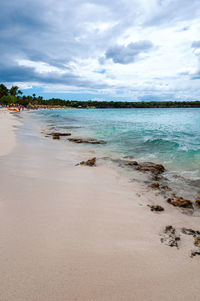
[60,134]
[170,237]
[155,185]
[156,208]
[153,168]
[190,232]
[194,253]
[55,137]
[132,163]
[164,187]
[180,202]
[197,242]
[90,162]
[197,202]
[90,141]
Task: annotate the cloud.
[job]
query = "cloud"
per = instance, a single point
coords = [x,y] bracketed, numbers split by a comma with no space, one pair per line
[29,74]
[65,43]
[194,73]
[196,44]
[169,12]
[128,54]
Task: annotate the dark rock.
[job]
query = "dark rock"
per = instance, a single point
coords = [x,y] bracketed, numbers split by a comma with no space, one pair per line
[150,167]
[192,232]
[197,241]
[131,163]
[90,162]
[194,253]
[197,202]
[156,208]
[170,237]
[55,137]
[90,141]
[164,187]
[180,202]
[170,229]
[60,134]
[155,185]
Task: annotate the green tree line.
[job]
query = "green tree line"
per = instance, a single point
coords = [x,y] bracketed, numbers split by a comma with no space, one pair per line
[14,96]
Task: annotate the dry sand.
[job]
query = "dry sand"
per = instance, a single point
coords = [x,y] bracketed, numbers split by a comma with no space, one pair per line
[83,233]
[7,136]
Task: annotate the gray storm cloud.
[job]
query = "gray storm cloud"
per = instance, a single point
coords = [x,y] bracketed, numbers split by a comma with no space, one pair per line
[196,44]
[66,32]
[128,54]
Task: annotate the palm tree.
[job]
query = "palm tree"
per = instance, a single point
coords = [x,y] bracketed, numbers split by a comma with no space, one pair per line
[14,90]
[3,90]
[35,101]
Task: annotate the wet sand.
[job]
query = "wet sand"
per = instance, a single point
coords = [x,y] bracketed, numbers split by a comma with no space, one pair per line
[85,233]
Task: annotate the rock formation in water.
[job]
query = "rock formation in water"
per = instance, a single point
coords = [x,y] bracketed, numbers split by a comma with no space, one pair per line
[57,135]
[150,167]
[178,201]
[90,162]
[90,141]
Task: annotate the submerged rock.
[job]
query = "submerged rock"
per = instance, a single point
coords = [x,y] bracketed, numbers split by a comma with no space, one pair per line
[170,237]
[150,167]
[123,163]
[131,163]
[90,162]
[155,185]
[180,202]
[56,135]
[156,208]
[164,187]
[60,134]
[129,157]
[90,141]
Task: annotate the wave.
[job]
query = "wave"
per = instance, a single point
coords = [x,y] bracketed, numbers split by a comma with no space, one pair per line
[160,144]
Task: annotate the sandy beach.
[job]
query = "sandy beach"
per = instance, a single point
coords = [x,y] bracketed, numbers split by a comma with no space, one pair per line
[83,233]
[7,136]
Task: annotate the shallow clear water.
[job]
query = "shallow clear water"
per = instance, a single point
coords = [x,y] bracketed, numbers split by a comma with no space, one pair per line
[169,136]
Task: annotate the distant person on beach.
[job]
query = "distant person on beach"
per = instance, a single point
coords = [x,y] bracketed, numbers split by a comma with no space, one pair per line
[19,108]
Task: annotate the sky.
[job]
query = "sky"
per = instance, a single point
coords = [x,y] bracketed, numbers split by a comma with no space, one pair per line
[131,50]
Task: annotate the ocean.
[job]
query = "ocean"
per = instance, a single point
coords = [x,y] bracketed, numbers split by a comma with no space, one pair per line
[170,136]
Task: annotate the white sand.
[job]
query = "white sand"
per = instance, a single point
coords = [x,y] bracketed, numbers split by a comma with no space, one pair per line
[82,233]
[7,136]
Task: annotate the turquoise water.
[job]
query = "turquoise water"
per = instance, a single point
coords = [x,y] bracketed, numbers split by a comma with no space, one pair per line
[169,136]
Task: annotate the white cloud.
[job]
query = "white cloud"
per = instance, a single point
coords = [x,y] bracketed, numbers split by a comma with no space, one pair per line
[39,67]
[137,47]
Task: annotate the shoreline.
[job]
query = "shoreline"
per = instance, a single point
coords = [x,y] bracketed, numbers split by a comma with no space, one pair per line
[7,135]
[186,186]
[85,233]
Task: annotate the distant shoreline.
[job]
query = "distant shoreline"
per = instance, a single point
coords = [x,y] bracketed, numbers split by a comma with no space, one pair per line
[13,96]
[37,107]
